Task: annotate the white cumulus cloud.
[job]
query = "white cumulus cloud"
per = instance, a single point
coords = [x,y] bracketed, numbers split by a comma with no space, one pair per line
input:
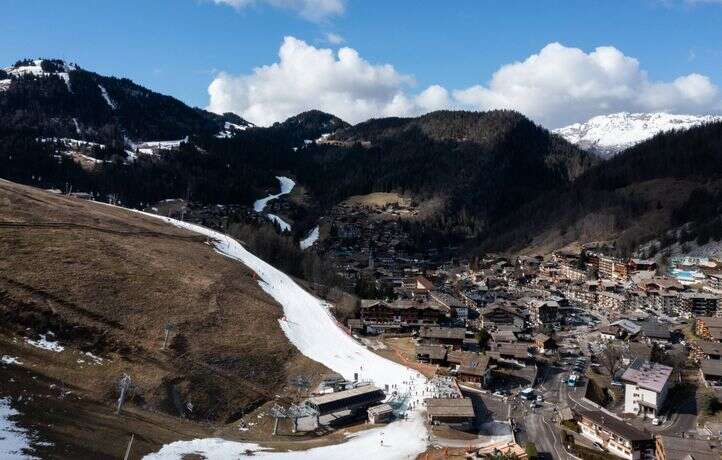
[557,86]
[307,77]
[313,10]
[560,85]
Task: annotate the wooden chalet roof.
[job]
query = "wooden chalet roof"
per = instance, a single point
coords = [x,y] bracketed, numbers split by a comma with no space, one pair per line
[437,352]
[612,423]
[451,333]
[459,407]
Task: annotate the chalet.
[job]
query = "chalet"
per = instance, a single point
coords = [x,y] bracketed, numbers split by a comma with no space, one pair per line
[452,336]
[642,265]
[709,327]
[659,283]
[458,308]
[662,293]
[654,331]
[544,312]
[511,353]
[471,344]
[711,370]
[379,316]
[496,314]
[504,337]
[423,284]
[613,433]
[433,354]
[646,387]
[699,303]
[457,412]
[476,372]
[630,328]
[674,448]
[611,332]
[634,350]
[471,367]
[543,342]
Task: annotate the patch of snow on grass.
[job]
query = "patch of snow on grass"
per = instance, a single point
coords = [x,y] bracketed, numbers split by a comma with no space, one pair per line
[96,359]
[5,359]
[13,439]
[46,344]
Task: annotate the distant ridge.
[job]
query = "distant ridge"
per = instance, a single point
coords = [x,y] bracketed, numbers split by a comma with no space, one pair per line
[607,135]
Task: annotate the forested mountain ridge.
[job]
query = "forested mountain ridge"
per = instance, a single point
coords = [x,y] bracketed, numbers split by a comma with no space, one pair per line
[481,164]
[672,179]
[55,99]
[53,114]
[498,180]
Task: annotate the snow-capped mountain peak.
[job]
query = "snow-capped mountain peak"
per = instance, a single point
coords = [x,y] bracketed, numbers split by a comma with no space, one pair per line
[607,135]
[37,67]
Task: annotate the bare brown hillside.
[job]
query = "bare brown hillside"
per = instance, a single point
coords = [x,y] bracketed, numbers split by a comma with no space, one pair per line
[105,280]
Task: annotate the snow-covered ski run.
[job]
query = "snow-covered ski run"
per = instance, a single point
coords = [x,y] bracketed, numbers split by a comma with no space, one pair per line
[311,239]
[286,187]
[310,327]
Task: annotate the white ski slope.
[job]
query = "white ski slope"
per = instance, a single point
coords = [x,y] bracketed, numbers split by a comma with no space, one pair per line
[286,187]
[106,96]
[285,226]
[310,327]
[310,239]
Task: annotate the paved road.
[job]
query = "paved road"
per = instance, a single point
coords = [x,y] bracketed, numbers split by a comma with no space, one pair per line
[540,425]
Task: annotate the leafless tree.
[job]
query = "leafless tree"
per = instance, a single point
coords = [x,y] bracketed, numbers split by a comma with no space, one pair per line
[611,359]
[125,385]
[167,328]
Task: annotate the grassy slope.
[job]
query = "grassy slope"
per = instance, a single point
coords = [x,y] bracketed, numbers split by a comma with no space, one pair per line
[106,280]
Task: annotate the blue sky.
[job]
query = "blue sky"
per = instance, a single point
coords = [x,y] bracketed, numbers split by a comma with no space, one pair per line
[178,46]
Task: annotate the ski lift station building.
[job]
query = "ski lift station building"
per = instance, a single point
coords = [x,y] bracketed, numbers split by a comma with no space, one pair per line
[355,399]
